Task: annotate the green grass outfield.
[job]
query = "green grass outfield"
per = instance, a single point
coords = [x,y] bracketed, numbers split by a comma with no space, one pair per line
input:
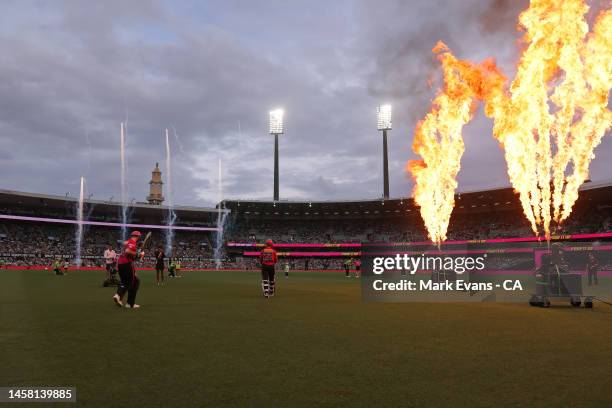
[211,339]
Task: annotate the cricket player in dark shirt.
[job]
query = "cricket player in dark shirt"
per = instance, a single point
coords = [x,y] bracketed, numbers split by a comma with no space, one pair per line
[160,256]
[268,259]
[127,272]
[347,266]
[592,268]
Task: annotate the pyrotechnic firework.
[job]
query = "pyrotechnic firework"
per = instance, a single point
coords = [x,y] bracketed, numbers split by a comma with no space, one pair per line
[548,120]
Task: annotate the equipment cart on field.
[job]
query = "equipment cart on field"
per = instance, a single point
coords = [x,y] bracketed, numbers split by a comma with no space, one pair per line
[554,282]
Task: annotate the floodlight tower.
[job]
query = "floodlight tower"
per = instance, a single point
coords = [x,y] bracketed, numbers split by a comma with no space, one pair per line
[383,117]
[276,128]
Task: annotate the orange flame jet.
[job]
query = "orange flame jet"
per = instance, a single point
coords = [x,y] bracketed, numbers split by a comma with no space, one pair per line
[548,120]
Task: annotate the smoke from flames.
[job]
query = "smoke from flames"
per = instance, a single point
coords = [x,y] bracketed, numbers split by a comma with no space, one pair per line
[548,120]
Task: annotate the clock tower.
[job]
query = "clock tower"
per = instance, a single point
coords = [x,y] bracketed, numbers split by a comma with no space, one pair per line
[156,196]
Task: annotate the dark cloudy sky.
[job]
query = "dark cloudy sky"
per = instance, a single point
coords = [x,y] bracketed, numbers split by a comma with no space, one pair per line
[71,71]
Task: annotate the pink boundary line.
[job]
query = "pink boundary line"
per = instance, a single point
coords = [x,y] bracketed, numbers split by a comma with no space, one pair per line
[95,268]
[99,268]
[512,272]
[104,224]
[476,241]
[358,253]
[299,254]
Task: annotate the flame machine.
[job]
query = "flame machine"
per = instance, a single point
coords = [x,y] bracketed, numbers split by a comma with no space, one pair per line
[555,281]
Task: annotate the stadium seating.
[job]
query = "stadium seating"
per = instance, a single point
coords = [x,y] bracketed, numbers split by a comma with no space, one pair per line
[477,216]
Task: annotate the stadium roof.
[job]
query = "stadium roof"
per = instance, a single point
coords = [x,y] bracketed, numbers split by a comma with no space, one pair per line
[34,199]
[503,199]
[470,201]
[586,186]
[15,203]
[473,202]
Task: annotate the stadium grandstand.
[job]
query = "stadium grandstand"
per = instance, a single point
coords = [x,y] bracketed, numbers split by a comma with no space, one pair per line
[312,235]
[36,229]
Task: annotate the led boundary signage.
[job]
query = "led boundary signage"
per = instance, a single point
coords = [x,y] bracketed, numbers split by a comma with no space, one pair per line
[529,239]
[298,254]
[481,273]
[293,245]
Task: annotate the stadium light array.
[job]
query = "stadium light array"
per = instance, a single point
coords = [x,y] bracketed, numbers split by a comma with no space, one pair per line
[383,119]
[276,121]
[383,116]
[276,128]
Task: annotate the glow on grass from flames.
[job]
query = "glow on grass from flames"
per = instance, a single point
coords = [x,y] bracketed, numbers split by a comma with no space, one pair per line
[548,120]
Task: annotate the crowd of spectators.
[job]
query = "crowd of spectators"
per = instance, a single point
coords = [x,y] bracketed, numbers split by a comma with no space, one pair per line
[409,229]
[29,244]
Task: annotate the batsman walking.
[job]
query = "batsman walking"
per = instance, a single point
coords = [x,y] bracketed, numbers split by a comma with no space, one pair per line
[268,259]
[127,272]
